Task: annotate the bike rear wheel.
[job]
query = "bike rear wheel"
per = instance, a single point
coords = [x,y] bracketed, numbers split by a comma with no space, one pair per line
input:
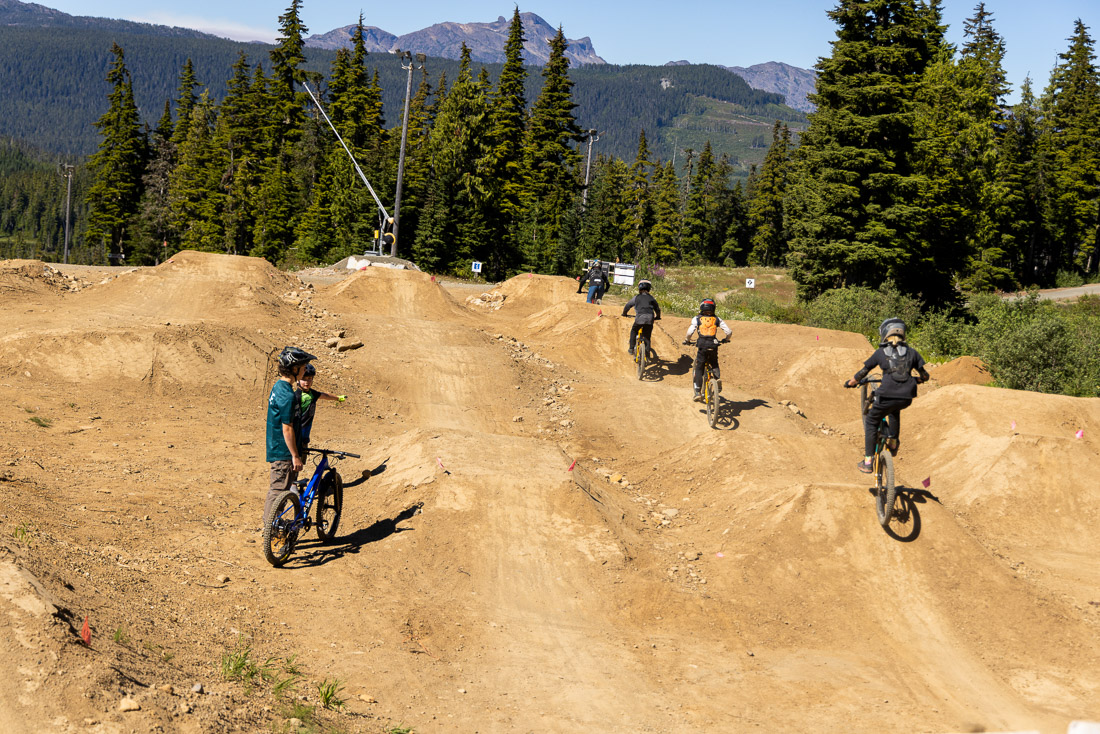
[864,399]
[641,351]
[887,493]
[281,528]
[330,502]
[712,402]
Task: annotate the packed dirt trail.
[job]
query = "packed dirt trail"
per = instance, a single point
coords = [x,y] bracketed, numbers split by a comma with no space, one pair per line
[533,539]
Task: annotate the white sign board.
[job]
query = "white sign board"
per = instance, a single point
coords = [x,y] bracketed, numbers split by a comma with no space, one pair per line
[476,266]
[750,282]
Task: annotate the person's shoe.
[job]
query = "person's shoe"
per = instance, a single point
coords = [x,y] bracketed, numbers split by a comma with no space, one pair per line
[892,445]
[698,397]
[864,466]
[630,351]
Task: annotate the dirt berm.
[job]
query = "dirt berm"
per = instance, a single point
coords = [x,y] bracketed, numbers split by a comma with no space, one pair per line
[677,579]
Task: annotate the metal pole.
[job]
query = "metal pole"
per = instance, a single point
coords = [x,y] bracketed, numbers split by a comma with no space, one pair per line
[401,157]
[588,167]
[353,161]
[68,208]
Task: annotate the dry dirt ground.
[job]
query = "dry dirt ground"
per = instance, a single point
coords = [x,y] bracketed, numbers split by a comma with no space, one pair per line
[679,579]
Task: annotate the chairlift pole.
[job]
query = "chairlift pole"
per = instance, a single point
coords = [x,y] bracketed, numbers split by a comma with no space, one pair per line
[588,167]
[67,172]
[401,157]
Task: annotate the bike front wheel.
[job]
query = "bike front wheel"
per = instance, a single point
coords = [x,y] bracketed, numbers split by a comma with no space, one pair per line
[281,528]
[330,502]
[712,402]
[887,493]
[641,351]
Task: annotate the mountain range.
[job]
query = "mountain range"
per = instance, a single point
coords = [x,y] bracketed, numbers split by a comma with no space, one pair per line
[14,13]
[485,41]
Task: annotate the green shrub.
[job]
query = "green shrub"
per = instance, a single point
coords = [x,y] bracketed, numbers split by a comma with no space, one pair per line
[1068,279]
[1041,355]
[940,336]
[861,309]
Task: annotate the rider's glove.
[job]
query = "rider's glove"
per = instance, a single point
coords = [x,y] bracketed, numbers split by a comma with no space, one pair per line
[341,398]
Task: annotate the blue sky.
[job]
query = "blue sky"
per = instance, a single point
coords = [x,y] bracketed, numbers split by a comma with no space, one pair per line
[727,32]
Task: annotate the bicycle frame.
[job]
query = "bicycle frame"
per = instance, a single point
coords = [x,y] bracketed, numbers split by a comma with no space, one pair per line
[306,496]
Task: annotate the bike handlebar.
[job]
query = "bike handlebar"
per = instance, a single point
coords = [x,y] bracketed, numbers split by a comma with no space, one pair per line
[334,452]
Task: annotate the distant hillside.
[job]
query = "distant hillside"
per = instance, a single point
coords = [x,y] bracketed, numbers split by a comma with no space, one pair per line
[32,15]
[485,41]
[55,89]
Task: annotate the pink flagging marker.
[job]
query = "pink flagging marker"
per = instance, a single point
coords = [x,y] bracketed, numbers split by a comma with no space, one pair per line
[927,482]
[1080,433]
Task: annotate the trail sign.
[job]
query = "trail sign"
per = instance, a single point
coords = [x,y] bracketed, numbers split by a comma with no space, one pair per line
[476,266]
[750,282]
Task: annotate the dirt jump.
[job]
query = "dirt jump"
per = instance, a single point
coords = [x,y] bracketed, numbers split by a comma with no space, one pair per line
[533,539]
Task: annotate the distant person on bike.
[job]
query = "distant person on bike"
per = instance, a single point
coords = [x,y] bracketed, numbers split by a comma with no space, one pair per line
[309,398]
[707,323]
[596,279]
[646,311]
[897,360]
[284,420]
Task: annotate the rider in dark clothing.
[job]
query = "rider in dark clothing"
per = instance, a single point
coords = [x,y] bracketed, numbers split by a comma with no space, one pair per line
[646,311]
[597,281]
[897,360]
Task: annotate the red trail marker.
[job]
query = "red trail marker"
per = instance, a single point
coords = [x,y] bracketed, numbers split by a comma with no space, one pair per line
[572,465]
[86,632]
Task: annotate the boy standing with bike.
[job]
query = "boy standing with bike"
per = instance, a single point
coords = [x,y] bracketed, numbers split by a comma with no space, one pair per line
[897,360]
[707,324]
[284,417]
[646,312]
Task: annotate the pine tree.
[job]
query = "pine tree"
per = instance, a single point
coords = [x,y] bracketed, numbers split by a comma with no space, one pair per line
[851,211]
[185,102]
[605,218]
[665,234]
[769,234]
[703,234]
[116,168]
[154,214]
[506,172]
[639,209]
[287,58]
[1073,105]
[195,195]
[243,145]
[550,159]
[1021,171]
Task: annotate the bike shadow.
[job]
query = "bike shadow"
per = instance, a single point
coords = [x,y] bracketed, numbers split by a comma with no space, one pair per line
[905,526]
[728,410]
[657,370]
[367,474]
[315,553]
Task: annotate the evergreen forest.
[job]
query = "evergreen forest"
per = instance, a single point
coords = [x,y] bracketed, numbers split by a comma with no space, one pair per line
[912,171]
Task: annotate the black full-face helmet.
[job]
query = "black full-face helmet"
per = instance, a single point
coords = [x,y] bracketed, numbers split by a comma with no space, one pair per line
[291,357]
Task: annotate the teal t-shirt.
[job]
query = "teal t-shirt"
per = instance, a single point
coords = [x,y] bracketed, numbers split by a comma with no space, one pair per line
[280,410]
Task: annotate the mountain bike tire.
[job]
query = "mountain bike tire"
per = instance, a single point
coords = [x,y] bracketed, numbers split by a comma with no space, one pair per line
[864,399]
[886,492]
[641,351]
[330,503]
[712,402]
[279,542]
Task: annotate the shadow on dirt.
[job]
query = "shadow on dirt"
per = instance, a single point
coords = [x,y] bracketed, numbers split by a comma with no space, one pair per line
[657,369]
[313,553]
[905,526]
[728,410]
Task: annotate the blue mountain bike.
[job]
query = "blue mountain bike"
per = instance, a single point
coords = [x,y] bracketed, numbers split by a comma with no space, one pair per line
[290,510]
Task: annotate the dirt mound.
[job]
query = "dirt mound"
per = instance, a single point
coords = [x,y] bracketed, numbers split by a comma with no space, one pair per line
[390,292]
[20,279]
[529,292]
[196,286]
[961,371]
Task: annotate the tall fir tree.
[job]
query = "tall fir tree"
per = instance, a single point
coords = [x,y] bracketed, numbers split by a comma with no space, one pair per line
[506,171]
[287,58]
[195,194]
[605,217]
[665,234]
[116,167]
[1073,108]
[550,158]
[154,213]
[851,206]
[1022,171]
[769,234]
[639,209]
[186,98]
